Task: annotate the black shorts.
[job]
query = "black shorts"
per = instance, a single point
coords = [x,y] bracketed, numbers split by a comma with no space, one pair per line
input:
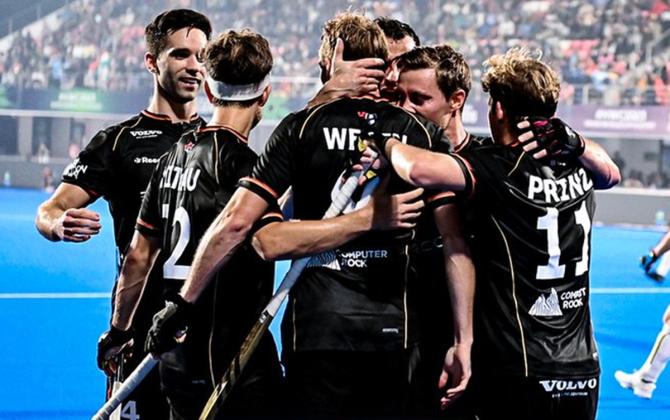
[555,398]
[348,384]
[255,394]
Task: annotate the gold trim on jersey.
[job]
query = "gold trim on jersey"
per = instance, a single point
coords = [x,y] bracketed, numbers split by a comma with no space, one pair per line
[311,113]
[518,161]
[216,157]
[516,303]
[295,330]
[425,130]
[404,297]
[116,140]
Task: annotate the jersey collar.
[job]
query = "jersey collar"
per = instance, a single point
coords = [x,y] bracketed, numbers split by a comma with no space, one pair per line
[163,117]
[210,128]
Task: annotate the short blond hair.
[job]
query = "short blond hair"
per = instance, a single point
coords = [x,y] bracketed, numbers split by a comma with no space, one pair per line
[522,83]
[362,37]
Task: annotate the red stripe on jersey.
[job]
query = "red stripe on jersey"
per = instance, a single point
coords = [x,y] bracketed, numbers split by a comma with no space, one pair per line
[90,192]
[237,134]
[462,144]
[440,195]
[470,173]
[262,185]
[146,225]
[273,214]
[163,117]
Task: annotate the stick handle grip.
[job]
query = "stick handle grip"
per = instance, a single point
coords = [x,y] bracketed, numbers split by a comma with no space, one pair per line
[129,385]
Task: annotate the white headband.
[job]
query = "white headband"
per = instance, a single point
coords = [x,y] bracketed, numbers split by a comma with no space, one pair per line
[227,92]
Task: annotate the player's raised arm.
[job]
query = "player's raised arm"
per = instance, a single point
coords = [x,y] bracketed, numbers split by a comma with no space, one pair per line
[295,239]
[423,168]
[349,78]
[606,173]
[222,238]
[63,218]
[552,137]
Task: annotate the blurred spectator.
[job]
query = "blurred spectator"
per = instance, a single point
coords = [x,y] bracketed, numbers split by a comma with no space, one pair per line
[43,154]
[48,179]
[73,150]
[600,46]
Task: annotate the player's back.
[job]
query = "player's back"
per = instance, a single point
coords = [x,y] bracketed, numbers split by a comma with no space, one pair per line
[531,249]
[354,297]
[193,183]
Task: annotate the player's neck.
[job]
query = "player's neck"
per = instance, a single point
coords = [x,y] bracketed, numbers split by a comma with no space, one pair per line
[374,95]
[178,112]
[239,119]
[456,133]
[506,138]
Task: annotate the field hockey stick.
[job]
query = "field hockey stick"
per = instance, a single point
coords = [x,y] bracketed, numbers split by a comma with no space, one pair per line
[239,362]
[135,378]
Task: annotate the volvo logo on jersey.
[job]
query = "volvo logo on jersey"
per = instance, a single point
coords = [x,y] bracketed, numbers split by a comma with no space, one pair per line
[146,134]
[569,387]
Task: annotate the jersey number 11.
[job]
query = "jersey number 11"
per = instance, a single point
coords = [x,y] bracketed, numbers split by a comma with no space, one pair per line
[549,222]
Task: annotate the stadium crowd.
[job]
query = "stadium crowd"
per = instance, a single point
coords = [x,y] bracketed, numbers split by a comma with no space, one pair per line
[608,51]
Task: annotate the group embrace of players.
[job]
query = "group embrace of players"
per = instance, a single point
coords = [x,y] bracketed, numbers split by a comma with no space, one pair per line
[455,284]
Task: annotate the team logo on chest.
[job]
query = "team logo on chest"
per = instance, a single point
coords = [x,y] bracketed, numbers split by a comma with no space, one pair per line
[189,146]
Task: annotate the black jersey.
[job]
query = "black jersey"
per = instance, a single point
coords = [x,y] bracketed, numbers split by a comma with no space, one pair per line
[118,162]
[353,298]
[192,183]
[429,292]
[531,251]
[117,165]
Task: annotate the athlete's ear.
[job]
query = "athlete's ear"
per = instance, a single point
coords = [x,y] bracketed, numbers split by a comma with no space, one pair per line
[265,96]
[150,63]
[499,111]
[457,100]
[208,92]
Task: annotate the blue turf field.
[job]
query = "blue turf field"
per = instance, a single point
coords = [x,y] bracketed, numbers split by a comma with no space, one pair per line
[47,350]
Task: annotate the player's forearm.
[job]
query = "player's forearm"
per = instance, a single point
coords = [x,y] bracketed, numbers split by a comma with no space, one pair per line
[217,246]
[46,221]
[459,268]
[424,168]
[605,172]
[461,284]
[288,240]
[133,279]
